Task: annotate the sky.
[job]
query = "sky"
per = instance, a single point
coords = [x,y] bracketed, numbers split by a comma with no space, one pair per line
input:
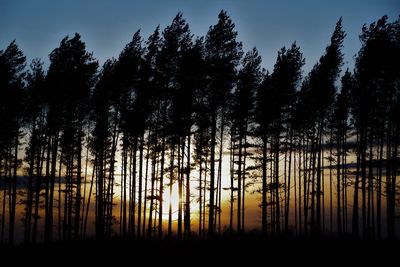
[106,26]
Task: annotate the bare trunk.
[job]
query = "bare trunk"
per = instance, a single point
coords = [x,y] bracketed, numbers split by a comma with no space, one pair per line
[187,203]
[355,200]
[264,186]
[171,182]
[14,192]
[212,176]
[161,190]
[140,185]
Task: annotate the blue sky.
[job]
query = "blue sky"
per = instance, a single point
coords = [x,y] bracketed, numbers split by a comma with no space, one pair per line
[107,25]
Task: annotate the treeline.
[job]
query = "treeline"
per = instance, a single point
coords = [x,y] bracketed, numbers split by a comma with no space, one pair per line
[165,112]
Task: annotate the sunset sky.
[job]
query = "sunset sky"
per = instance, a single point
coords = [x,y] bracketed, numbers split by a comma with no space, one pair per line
[107,25]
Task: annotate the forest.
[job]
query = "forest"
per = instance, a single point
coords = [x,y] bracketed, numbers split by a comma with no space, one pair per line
[190,138]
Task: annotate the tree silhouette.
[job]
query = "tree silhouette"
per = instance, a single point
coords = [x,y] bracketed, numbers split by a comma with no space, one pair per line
[243,104]
[223,52]
[373,99]
[319,90]
[274,109]
[12,64]
[36,111]
[340,127]
[101,137]
[71,76]
[128,116]
[104,152]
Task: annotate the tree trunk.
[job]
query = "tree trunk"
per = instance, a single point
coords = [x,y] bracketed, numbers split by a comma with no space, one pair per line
[264,186]
[201,194]
[276,185]
[319,193]
[14,192]
[140,185]
[338,187]
[171,182]
[355,200]
[232,186]
[288,185]
[133,189]
[181,153]
[239,191]
[187,203]
[212,175]
[145,187]
[78,183]
[219,186]
[100,198]
[161,190]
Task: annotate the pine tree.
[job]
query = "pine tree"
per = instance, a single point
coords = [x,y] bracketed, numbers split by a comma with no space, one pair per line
[223,52]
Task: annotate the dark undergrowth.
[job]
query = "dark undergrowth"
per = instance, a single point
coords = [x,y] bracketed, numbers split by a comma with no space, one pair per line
[248,250]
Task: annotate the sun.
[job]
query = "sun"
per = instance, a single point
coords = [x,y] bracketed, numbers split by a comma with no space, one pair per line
[170,198]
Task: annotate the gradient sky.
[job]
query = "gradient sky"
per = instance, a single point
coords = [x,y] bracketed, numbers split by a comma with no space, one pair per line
[107,25]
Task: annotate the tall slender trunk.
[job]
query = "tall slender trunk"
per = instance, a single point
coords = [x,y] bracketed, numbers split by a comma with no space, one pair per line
[289,183]
[181,156]
[370,210]
[52,181]
[231,189]
[388,180]
[314,143]
[3,211]
[201,195]
[244,182]
[295,191]
[28,213]
[124,173]
[212,175]
[78,183]
[14,191]
[204,194]
[355,200]
[100,196]
[110,187]
[140,185]
[39,167]
[161,190]
[344,184]
[331,182]
[47,228]
[272,189]
[146,187]
[219,186]
[239,191]
[59,196]
[264,186]
[392,193]
[84,187]
[379,189]
[276,185]
[363,184]
[187,203]
[306,183]
[319,191]
[133,189]
[338,186]
[89,198]
[153,178]
[171,182]
[299,184]
[232,186]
